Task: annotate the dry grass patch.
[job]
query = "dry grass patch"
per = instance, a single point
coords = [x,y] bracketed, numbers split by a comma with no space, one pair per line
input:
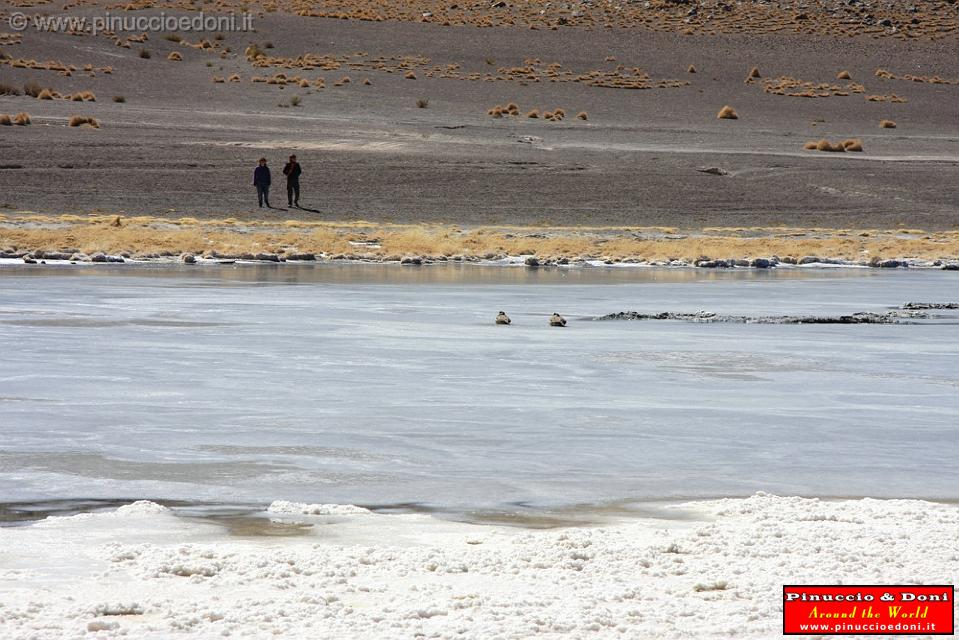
[691,69]
[532,113]
[84,121]
[753,74]
[727,113]
[45,94]
[582,115]
[843,75]
[5,120]
[852,144]
[22,119]
[826,145]
[174,56]
[887,124]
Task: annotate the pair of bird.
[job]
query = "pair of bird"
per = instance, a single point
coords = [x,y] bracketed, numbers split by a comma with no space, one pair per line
[555,320]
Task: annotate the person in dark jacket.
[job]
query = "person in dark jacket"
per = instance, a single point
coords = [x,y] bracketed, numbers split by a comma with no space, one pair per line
[261,180]
[292,172]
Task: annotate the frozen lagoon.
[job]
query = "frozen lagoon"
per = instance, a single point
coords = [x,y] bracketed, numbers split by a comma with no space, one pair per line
[384,386]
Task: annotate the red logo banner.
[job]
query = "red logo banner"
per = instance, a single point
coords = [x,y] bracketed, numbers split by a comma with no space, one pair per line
[869,609]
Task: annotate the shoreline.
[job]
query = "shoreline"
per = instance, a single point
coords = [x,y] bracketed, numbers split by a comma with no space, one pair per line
[70,239]
[140,570]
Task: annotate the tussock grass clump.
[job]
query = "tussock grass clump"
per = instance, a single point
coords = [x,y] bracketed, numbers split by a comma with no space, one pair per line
[31,89]
[582,115]
[422,103]
[295,101]
[5,120]
[119,99]
[825,145]
[691,69]
[843,75]
[532,113]
[84,121]
[8,90]
[727,113]
[88,96]
[253,52]
[852,144]
[887,124]
[236,78]
[410,75]
[174,56]
[46,94]
[22,119]
[810,146]
[753,73]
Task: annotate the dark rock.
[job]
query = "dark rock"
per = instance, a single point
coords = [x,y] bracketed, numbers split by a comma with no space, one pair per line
[414,260]
[532,261]
[809,260]
[760,263]
[102,257]
[950,267]
[188,258]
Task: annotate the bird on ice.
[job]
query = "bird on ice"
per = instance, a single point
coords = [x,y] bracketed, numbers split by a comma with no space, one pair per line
[502,318]
[557,320]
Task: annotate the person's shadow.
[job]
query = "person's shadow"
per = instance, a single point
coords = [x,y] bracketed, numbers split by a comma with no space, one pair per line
[270,206]
[302,208]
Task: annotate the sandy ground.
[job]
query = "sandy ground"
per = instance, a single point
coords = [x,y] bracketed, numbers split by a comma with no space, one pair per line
[182,145]
[706,570]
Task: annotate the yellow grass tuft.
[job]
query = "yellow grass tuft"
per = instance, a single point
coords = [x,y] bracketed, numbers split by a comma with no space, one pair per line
[811,145]
[727,113]
[843,75]
[45,94]
[532,113]
[825,145]
[582,115]
[174,56]
[5,120]
[22,119]
[852,144]
[691,69]
[410,75]
[887,124]
[753,73]
[80,121]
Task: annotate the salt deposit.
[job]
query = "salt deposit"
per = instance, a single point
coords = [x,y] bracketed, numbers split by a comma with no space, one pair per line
[714,570]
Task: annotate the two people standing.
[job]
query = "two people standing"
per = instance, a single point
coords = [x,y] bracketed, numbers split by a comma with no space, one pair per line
[262,181]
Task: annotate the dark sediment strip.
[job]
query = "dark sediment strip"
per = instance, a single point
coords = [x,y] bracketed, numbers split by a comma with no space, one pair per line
[930,305]
[863,317]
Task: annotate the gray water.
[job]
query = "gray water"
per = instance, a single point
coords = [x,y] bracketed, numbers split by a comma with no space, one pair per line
[384,385]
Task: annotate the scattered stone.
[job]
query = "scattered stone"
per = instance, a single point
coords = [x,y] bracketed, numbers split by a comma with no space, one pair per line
[188,258]
[532,261]
[950,267]
[415,260]
[892,264]
[267,257]
[809,260]
[760,263]
[715,171]
[301,256]
[102,257]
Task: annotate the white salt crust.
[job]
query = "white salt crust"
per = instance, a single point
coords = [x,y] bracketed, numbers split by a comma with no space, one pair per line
[142,572]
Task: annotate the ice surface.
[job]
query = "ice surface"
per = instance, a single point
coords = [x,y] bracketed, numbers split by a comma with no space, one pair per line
[379,385]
